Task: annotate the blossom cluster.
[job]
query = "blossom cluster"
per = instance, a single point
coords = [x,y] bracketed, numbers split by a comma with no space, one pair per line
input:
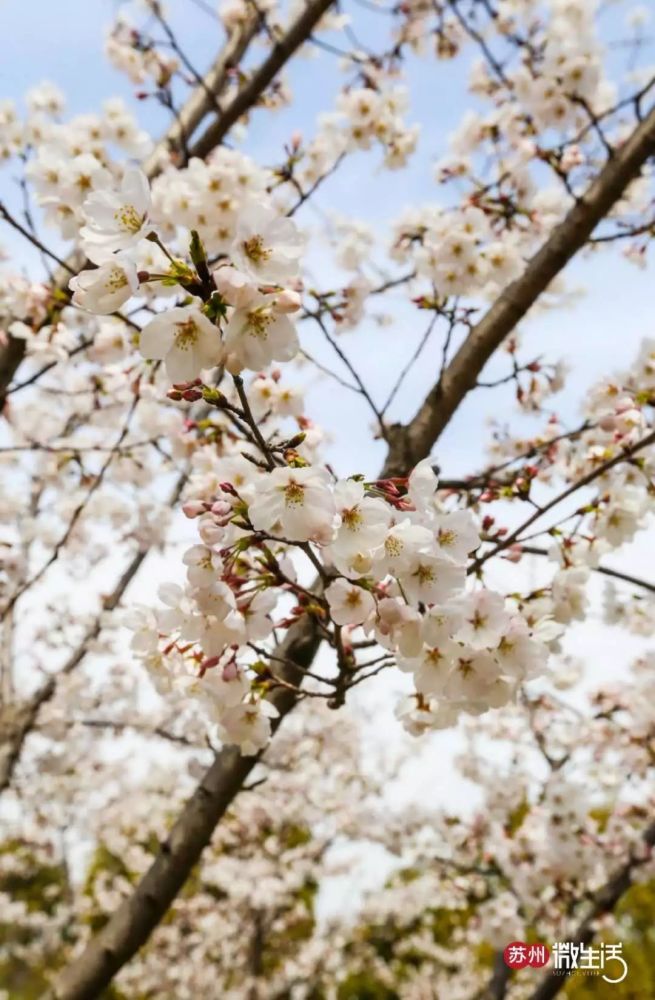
[395,568]
[265,254]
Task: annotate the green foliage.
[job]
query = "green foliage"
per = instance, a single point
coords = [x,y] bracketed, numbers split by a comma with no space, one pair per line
[636,930]
[364,986]
[40,886]
[516,817]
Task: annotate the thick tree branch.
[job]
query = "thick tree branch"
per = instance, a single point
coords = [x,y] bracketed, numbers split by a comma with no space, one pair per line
[202,101]
[132,923]
[414,442]
[295,36]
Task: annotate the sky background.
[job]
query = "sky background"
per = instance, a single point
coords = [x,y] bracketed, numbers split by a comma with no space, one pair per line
[599,332]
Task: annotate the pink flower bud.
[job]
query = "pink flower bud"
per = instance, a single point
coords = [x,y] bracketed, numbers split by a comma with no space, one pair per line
[230,671]
[287,301]
[210,533]
[193,508]
[181,386]
[221,508]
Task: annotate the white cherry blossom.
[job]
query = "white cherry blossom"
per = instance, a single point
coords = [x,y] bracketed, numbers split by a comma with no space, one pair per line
[116,220]
[267,246]
[107,288]
[349,604]
[296,504]
[185,340]
[485,619]
[248,725]
[258,334]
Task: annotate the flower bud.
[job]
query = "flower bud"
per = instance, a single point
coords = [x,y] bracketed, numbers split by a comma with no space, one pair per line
[230,671]
[287,301]
[210,532]
[193,508]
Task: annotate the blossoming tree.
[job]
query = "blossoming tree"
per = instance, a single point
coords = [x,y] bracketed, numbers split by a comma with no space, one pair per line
[154,369]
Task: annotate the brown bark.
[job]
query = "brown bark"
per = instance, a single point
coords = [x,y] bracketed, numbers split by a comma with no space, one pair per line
[131,924]
[412,443]
[248,95]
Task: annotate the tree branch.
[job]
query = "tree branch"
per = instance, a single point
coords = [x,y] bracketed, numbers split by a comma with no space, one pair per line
[297,33]
[415,441]
[132,923]
[617,574]
[201,101]
[17,720]
[603,901]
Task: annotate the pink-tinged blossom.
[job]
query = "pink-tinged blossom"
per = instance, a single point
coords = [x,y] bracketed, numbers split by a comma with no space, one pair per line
[422,485]
[474,671]
[204,565]
[485,619]
[456,534]
[432,668]
[398,625]
[402,543]
[256,613]
[248,725]
[258,334]
[431,579]
[362,524]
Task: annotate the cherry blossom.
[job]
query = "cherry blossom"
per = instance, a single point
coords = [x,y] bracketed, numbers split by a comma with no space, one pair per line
[185,340]
[116,220]
[277,566]
[266,247]
[107,288]
[294,503]
[349,604]
[259,334]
